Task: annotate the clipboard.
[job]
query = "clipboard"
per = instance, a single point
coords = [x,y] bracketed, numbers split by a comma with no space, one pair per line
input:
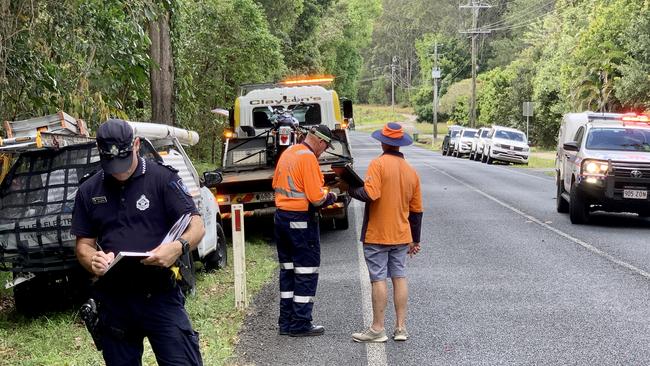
[345,172]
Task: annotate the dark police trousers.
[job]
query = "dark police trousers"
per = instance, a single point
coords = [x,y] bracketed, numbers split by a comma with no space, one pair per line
[298,244]
[160,316]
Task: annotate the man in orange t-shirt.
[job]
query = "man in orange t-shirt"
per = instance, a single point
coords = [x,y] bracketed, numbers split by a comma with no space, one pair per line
[391,229]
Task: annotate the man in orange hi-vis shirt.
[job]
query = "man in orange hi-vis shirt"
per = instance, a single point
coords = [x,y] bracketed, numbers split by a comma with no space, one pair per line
[391,229]
[298,184]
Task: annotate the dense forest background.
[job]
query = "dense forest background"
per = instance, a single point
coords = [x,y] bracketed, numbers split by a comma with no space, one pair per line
[100,58]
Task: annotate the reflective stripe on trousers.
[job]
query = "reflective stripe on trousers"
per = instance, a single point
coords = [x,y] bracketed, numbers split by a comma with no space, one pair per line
[298,245]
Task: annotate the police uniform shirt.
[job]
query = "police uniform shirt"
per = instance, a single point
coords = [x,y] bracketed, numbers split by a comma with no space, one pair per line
[131,216]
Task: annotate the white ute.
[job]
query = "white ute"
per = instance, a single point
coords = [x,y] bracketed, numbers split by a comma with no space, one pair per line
[603,164]
[506,144]
[464,142]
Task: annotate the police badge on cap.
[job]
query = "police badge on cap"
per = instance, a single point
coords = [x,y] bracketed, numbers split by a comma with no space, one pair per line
[115,144]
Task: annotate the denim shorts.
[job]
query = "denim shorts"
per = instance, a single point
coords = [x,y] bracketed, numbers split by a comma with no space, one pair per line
[385,261]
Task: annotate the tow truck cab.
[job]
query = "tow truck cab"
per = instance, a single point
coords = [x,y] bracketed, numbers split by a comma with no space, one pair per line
[603,163]
[248,159]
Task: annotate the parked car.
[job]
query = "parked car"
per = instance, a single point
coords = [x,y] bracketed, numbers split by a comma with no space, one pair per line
[450,139]
[463,143]
[603,163]
[506,144]
[478,142]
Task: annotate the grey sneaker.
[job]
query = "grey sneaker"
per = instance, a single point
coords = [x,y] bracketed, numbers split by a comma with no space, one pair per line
[400,335]
[370,335]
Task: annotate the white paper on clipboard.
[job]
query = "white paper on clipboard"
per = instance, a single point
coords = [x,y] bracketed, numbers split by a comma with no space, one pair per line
[177,229]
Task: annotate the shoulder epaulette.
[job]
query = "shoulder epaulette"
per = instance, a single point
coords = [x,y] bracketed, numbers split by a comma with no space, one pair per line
[167,166]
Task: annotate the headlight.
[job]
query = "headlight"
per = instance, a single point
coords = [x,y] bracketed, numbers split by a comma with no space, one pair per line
[595,167]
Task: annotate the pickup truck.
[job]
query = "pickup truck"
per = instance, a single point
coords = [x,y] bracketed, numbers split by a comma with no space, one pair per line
[603,163]
[51,157]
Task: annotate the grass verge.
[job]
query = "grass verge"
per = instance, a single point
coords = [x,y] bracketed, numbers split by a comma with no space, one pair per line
[368,117]
[61,338]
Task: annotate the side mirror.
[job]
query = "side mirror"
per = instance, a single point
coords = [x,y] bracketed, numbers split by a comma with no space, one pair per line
[571,146]
[212,179]
[347,109]
[231,118]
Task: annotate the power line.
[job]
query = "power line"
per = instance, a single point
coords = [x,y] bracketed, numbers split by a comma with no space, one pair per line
[529,21]
[475,31]
[520,15]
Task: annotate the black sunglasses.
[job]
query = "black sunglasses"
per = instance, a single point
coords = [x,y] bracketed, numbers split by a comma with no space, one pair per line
[121,154]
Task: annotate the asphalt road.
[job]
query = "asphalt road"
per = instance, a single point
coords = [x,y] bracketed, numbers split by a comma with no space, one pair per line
[502,279]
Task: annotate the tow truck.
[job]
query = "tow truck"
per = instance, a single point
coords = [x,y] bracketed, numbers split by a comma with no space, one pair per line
[603,164]
[254,140]
[51,156]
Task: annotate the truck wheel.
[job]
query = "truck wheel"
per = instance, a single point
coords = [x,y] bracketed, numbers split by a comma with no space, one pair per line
[483,157]
[578,209]
[218,259]
[342,223]
[444,151]
[488,159]
[52,291]
[561,204]
[26,296]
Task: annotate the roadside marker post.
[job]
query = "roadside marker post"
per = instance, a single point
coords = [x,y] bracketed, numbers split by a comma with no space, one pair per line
[239,254]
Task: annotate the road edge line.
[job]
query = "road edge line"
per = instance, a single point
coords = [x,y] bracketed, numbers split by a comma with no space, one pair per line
[375,352]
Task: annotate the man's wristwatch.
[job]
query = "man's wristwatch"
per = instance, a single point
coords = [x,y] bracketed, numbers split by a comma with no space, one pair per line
[186,246]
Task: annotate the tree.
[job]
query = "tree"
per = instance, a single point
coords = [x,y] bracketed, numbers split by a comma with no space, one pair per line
[216,39]
[345,30]
[162,65]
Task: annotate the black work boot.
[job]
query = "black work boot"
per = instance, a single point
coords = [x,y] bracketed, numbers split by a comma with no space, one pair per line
[315,330]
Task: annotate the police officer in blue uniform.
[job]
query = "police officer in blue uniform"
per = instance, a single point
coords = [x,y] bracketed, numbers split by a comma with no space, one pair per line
[130,205]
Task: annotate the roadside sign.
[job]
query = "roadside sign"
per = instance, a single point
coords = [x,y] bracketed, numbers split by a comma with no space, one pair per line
[528,109]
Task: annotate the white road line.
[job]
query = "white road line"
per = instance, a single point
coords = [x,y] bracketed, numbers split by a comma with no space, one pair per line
[541,223]
[375,352]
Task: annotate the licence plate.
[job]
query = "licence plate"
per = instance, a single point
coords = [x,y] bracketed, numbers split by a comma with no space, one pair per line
[635,194]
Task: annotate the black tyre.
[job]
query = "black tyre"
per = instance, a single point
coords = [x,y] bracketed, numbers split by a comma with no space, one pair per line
[218,259]
[488,159]
[342,223]
[561,204]
[444,151]
[578,208]
[483,157]
[52,291]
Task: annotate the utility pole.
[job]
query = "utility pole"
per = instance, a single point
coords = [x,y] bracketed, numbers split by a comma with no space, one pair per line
[435,75]
[475,6]
[392,84]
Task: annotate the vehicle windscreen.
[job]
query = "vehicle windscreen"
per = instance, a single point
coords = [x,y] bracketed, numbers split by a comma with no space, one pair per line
[510,135]
[469,133]
[622,139]
[485,133]
[455,133]
[306,114]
